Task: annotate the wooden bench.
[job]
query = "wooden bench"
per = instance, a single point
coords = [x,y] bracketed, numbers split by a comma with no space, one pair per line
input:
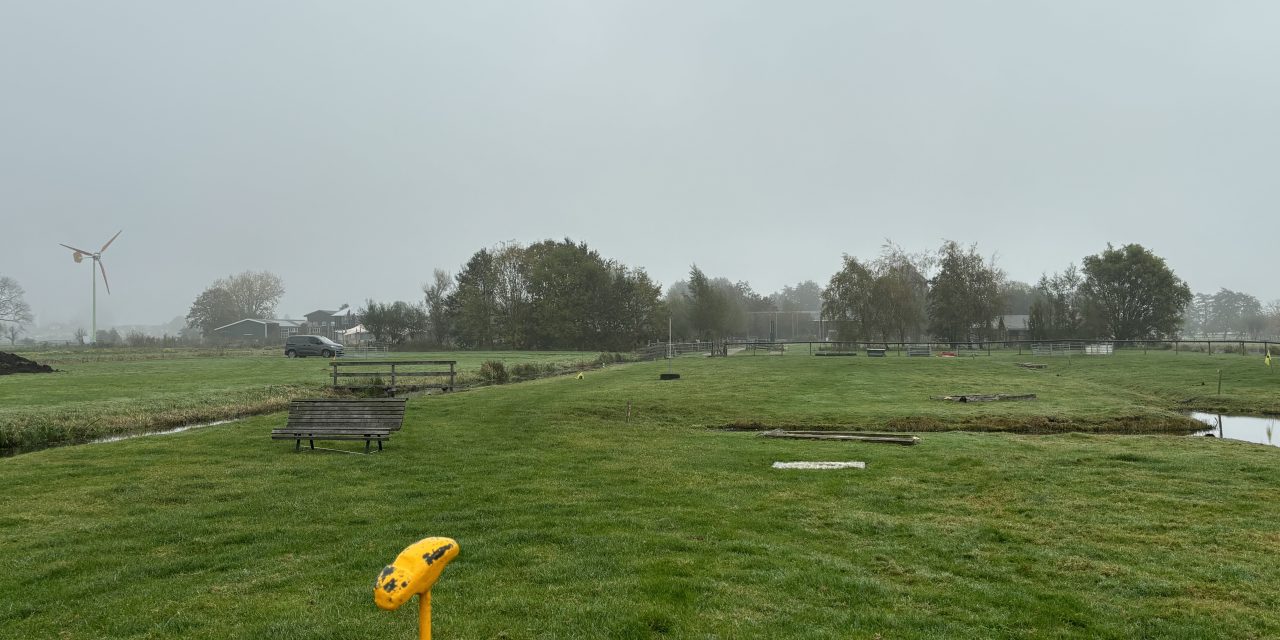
[918,350]
[368,419]
[876,352]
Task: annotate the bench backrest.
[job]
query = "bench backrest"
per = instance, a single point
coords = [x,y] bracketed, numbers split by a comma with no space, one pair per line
[335,414]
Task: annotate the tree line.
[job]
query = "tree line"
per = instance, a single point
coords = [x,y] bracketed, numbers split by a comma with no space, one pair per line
[547,295]
[955,295]
[565,295]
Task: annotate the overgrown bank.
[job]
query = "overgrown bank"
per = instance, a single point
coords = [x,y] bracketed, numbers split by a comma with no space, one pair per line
[92,400]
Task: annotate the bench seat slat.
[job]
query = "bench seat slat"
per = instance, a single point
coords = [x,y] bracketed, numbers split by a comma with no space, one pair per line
[352,400]
[333,432]
[334,416]
[290,436]
[371,402]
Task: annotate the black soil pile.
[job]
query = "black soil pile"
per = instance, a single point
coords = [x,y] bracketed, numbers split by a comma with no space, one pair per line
[10,363]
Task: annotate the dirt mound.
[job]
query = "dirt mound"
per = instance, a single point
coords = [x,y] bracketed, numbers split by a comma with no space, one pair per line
[10,363]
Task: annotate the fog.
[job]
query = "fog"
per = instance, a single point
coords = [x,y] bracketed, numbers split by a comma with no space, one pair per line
[353,147]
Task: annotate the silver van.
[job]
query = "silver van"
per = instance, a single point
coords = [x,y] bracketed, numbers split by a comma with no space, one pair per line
[303,346]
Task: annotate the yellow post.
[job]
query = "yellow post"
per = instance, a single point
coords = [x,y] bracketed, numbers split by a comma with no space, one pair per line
[424,616]
[414,572]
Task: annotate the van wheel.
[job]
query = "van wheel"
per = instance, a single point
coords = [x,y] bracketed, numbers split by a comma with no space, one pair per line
[291,354]
[326,353]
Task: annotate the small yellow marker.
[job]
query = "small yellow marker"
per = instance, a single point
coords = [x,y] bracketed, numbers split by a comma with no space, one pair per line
[414,572]
[579,375]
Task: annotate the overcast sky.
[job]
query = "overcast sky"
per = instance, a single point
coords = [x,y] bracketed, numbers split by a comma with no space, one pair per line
[352,147]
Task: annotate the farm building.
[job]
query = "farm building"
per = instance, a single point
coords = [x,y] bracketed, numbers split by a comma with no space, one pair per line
[323,322]
[258,331]
[1014,327]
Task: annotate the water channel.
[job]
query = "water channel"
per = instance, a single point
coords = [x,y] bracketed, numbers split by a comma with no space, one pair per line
[1261,430]
[7,453]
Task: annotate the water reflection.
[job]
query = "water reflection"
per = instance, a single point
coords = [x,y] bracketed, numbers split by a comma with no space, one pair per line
[130,436]
[1247,428]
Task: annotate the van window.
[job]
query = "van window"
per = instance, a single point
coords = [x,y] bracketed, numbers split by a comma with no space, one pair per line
[315,340]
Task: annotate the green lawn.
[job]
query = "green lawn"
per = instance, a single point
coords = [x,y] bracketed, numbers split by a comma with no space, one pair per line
[577,523]
[97,394]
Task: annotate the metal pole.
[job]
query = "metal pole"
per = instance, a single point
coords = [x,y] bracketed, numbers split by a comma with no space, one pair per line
[93,314]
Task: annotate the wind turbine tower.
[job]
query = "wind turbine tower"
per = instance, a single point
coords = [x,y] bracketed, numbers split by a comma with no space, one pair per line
[79,256]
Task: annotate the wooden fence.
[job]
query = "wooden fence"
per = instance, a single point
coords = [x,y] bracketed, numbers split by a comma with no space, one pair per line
[390,374]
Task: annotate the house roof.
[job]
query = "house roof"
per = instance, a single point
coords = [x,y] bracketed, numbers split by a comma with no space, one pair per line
[343,313]
[1016,322]
[284,322]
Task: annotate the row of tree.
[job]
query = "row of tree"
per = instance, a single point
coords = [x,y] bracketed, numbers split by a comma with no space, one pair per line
[956,295]
[566,295]
[548,295]
[1231,313]
[953,295]
[1125,293]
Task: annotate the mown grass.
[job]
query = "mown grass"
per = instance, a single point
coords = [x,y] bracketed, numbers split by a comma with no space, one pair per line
[575,522]
[104,393]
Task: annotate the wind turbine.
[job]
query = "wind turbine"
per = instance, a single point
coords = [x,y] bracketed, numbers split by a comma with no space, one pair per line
[79,256]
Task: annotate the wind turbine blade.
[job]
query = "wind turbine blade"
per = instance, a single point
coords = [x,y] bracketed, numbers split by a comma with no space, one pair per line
[87,253]
[104,275]
[113,239]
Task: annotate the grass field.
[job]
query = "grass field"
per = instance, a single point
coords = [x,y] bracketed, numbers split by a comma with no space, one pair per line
[101,394]
[575,522]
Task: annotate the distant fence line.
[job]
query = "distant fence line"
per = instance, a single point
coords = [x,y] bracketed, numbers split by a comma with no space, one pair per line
[1030,347]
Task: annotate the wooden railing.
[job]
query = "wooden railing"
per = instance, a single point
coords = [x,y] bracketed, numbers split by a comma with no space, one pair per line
[391,373]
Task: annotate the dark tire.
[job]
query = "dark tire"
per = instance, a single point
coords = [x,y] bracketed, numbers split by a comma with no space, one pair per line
[291,354]
[326,354]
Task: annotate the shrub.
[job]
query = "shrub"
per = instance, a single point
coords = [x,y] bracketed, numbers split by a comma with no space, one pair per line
[493,372]
[525,371]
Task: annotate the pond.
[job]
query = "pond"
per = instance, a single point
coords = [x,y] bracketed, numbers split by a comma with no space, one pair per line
[1248,428]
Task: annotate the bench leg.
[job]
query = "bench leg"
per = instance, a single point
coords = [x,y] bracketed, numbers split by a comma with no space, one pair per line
[313,444]
[297,445]
[379,445]
[366,445]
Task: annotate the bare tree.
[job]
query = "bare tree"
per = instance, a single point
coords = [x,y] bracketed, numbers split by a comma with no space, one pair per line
[12,307]
[80,336]
[252,294]
[12,332]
